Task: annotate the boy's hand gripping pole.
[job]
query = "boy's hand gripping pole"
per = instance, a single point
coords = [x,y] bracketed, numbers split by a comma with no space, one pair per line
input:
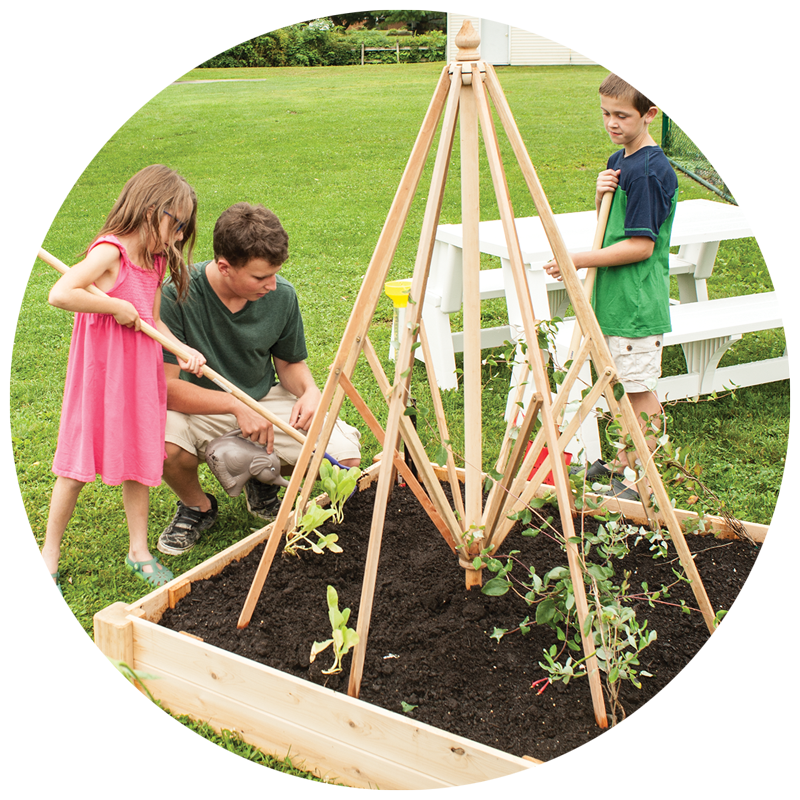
[588,283]
[211,374]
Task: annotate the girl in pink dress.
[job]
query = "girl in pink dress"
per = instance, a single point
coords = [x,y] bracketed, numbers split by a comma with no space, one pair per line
[115,399]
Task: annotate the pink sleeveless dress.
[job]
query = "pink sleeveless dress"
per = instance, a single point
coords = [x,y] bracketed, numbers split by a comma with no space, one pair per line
[115,398]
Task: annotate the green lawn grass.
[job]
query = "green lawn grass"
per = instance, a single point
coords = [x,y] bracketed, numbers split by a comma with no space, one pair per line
[325,148]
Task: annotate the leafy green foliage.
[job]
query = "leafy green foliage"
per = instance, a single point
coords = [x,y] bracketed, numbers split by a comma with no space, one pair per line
[299,537]
[343,638]
[339,485]
[122,744]
[612,628]
[321,43]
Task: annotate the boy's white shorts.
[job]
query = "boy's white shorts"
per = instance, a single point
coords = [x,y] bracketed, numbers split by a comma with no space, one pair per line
[638,361]
[193,432]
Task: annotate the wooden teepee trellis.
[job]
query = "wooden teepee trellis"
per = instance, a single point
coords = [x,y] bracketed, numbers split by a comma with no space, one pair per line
[462,97]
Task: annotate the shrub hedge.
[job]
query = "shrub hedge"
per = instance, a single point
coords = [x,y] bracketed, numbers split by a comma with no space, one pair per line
[315,45]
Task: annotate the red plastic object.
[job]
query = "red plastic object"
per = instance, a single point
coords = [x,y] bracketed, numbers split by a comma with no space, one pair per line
[542,456]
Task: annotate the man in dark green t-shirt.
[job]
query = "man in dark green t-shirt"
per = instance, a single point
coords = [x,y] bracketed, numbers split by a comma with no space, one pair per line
[245,318]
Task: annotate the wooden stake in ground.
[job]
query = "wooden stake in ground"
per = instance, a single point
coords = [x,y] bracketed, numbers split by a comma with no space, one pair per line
[352,340]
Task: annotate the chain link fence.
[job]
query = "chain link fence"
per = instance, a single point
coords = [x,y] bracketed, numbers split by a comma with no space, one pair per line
[726,111]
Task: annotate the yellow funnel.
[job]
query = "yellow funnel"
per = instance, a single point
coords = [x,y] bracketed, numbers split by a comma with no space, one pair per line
[397,292]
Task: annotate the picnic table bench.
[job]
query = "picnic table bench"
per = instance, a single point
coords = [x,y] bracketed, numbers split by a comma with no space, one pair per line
[704,328]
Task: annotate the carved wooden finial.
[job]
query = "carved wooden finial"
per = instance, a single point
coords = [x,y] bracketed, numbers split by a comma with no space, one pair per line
[467,41]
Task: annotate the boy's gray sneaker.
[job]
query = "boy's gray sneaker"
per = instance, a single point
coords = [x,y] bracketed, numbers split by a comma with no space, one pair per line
[623,492]
[182,534]
[262,499]
[602,470]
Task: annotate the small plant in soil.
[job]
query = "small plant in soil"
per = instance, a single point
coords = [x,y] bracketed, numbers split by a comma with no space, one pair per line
[339,485]
[343,638]
[299,537]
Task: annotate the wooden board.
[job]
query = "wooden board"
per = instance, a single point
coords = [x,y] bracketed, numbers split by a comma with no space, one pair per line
[333,735]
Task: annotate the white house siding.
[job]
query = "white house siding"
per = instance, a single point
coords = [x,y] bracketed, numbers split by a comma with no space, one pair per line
[602,37]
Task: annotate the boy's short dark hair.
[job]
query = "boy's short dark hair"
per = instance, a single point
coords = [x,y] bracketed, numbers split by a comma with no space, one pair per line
[614,86]
[246,231]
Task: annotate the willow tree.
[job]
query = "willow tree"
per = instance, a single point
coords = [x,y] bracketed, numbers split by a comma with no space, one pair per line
[61,39]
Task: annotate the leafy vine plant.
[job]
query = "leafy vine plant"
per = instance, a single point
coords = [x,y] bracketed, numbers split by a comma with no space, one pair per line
[612,626]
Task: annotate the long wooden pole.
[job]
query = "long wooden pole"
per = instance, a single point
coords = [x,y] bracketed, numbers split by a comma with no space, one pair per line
[600,351]
[549,427]
[470,219]
[353,337]
[588,282]
[400,389]
[208,372]
[441,420]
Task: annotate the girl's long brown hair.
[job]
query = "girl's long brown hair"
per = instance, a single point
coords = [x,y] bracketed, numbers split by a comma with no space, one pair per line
[157,189]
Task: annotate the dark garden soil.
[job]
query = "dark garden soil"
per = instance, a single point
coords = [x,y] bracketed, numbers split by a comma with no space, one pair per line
[429,641]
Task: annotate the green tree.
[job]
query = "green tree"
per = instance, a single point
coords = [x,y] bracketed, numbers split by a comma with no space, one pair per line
[339,18]
[417,21]
[61,39]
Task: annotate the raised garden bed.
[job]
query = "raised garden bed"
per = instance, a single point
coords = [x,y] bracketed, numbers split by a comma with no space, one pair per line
[476,716]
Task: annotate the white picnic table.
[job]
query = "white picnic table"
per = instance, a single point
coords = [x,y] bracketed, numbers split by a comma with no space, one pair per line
[698,228]
[704,328]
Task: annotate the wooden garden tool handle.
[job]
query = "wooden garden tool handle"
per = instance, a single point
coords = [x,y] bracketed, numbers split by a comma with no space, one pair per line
[208,372]
[588,283]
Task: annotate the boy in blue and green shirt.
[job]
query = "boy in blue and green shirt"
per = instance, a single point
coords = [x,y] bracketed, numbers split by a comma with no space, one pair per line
[631,290]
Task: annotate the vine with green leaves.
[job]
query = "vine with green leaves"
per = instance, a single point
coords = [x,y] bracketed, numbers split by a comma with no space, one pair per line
[612,626]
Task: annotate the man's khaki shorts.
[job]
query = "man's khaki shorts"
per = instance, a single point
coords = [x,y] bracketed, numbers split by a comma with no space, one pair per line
[638,361]
[193,432]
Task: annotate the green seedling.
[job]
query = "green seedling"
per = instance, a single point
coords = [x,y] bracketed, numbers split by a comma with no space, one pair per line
[299,538]
[339,484]
[344,638]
